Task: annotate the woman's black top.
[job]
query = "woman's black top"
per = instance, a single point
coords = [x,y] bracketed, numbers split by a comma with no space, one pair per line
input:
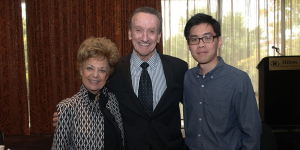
[110,132]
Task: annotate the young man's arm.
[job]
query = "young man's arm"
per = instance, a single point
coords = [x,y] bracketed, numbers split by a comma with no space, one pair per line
[248,116]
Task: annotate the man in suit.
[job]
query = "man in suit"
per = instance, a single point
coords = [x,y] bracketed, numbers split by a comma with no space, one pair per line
[159,128]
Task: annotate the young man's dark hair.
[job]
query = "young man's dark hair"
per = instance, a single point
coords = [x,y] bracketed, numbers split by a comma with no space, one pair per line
[199,19]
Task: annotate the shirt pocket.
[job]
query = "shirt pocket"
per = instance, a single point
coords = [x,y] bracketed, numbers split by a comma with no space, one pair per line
[218,112]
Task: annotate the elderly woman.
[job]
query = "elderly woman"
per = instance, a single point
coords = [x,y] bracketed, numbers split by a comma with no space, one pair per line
[91,118]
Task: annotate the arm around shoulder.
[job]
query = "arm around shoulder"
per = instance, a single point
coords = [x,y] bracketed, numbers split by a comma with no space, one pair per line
[62,131]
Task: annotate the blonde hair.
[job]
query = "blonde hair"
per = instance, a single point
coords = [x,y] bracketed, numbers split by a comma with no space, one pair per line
[99,48]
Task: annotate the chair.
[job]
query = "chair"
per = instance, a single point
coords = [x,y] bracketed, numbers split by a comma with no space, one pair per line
[267,139]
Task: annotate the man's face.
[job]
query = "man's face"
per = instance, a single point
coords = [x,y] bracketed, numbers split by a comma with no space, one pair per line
[144,34]
[204,53]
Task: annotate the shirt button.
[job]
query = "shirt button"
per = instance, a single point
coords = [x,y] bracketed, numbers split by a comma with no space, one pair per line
[202,85]
[200,103]
[212,77]
[198,76]
[200,119]
[199,135]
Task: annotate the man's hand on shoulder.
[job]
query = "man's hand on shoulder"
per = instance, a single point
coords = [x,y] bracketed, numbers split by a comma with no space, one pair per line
[55,119]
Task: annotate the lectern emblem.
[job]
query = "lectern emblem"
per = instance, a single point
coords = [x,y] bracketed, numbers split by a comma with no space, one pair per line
[274,63]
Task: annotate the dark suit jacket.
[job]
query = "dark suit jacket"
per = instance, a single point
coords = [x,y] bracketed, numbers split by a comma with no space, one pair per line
[161,130]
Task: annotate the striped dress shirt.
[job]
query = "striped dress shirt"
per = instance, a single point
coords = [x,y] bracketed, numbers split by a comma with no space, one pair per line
[156,74]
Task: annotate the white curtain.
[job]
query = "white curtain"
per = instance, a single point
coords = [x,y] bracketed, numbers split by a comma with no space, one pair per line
[249,29]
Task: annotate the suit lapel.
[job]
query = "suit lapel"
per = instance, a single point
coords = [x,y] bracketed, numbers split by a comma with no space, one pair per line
[125,72]
[168,71]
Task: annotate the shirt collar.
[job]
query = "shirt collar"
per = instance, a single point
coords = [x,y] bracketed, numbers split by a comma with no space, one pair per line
[136,61]
[214,72]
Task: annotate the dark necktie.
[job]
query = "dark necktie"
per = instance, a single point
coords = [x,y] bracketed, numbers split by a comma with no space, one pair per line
[145,90]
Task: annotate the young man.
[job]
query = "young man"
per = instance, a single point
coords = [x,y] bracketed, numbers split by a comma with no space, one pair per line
[220,109]
[159,128]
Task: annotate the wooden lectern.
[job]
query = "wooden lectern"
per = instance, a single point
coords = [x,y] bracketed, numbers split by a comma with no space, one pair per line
[279,91]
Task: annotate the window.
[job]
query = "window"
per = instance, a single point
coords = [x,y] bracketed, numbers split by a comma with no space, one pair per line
[23,5]
[249,30]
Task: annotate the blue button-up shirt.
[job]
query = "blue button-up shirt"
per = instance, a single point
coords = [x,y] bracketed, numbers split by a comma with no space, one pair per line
[220,110]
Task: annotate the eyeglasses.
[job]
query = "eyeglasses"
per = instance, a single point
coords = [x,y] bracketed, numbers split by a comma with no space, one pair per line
[205,39]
